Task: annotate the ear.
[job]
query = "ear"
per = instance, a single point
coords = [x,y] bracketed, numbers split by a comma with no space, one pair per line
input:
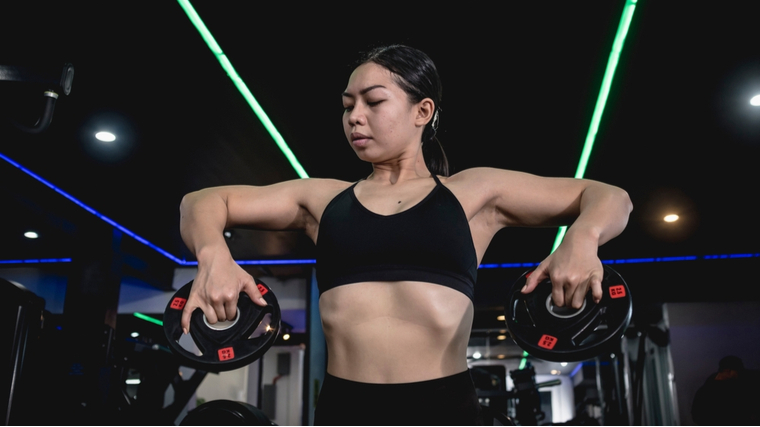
[425,110]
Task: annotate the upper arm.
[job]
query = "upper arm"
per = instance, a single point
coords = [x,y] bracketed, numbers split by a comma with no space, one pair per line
[289,205]
[522,199]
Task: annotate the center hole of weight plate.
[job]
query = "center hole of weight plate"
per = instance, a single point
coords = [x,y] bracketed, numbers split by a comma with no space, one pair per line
[563,312]
[224,324]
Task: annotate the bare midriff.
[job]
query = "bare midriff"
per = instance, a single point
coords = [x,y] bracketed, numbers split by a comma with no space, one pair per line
[395,332]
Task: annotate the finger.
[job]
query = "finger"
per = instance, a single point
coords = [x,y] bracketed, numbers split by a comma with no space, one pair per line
[185,322]
[253,292]
[577,297]
[558,294]
[596,289]
[230,309]
[534,278]
[220,312]
[210,314]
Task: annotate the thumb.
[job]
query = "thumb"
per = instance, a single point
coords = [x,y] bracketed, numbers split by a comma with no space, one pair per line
[534,278]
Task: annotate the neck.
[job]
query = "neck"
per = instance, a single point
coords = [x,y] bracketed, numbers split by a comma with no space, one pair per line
[400,169]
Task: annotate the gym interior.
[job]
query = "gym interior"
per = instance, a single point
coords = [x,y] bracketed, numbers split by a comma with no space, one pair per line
[110,113]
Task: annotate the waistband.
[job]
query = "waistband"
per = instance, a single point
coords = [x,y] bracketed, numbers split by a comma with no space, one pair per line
[463,377]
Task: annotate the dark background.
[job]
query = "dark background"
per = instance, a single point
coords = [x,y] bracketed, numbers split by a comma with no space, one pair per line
[520,85]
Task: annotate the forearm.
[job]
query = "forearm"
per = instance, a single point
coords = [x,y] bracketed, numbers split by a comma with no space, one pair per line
[203,218]
[604,212]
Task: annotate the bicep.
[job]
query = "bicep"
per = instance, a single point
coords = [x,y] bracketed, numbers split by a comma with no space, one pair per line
[279,206]
[522,199]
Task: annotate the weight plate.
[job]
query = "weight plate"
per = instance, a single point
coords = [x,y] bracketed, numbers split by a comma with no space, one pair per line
[231,346]
[564,334]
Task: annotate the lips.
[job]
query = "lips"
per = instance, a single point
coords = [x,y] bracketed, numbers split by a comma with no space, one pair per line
[359,139]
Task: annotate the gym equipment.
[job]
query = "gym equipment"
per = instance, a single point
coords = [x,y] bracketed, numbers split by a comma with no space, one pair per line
[22,313]
[52,80]
[564,334]
[224,346]
[226,413]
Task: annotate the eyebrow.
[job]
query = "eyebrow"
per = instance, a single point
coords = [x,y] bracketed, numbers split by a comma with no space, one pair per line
[363,91]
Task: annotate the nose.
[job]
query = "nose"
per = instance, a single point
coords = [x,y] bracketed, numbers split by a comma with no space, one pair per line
[356,116]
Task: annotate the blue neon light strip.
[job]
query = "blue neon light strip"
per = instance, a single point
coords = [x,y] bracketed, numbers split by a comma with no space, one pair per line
[635,260]
[575,371]
[482,266]
[35,261]
[91,210]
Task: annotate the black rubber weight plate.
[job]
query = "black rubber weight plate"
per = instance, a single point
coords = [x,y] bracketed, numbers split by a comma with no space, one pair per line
[560,334]
[243,342]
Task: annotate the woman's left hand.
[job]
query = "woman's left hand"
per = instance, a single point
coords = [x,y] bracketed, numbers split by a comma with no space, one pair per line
[573,269]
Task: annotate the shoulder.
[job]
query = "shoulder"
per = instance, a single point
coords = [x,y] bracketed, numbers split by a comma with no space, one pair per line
[485,181]
[313,192]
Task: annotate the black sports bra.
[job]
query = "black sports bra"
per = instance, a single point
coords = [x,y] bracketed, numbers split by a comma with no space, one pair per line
[430,242]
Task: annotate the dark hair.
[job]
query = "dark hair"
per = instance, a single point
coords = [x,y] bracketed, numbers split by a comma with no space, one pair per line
[416,74]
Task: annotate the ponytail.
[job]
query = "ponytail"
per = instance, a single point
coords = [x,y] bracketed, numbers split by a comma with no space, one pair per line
[432,150]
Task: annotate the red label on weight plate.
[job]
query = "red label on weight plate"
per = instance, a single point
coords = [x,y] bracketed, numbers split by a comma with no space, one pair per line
[262,289]
[178,303]
[547,341]
[617,291]
[226,353]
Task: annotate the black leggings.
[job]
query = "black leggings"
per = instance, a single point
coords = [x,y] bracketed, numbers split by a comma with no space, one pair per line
[445,401]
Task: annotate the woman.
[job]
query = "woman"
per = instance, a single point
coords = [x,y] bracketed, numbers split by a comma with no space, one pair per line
[397,252]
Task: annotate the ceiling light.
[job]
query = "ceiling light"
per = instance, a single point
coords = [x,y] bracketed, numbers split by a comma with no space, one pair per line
[477,355]
[286,337]
[671,218]
[555,372]
[134,334]
[501,337]
[563,364]
[501,356]
[105,136]
[501,318]
[755,101]
[31,235]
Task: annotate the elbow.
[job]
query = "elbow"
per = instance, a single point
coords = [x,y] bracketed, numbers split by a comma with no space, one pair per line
[625,200]
[188,200]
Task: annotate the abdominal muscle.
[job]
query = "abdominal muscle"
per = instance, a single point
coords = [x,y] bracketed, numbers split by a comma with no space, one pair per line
[395,332]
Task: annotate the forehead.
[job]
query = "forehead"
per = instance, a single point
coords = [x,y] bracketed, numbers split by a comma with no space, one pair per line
[370,74]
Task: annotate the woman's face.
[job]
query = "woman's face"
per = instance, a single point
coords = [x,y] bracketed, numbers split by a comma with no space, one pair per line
[379,121]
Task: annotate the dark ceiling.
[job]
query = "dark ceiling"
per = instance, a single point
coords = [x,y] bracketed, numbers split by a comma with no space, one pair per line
[520,85]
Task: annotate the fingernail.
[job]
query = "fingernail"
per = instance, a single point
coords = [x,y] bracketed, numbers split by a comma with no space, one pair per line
[524,288]
[263,301]
[184,331]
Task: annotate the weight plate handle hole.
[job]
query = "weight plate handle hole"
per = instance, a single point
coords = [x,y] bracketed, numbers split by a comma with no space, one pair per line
[224,324]
[563,312]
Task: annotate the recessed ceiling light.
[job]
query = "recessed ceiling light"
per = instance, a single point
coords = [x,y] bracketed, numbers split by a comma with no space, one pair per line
[671,218]
[105,136]
[477,355]
[755,101]
[31,235]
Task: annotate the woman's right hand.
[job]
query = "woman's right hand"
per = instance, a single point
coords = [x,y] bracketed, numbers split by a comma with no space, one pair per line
[216,289]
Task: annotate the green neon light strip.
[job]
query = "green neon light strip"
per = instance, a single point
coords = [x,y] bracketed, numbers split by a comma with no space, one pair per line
[148,319]
[601,101]
[524,360]
[227,65]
